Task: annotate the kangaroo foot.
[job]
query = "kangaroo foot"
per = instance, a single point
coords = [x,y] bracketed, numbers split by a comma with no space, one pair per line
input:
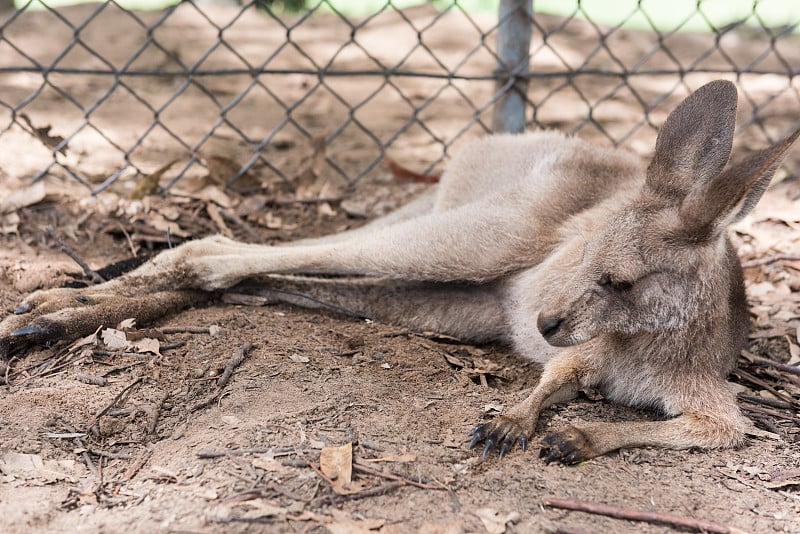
[65,314]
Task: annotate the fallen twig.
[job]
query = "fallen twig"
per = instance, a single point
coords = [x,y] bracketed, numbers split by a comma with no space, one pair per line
[218,453]
[774,403]
[185,330]
[769,259]
[111,455]
[321,200]
[389,476]
[773,413]
[741,373]
[642,515]
[371,492]
[93,421]
[66,249]
[154,412]
[234,362]
[770,363]
[92,379]
[225,377]
[136,466]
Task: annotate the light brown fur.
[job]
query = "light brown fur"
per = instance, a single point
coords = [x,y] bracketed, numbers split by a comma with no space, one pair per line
[613,275]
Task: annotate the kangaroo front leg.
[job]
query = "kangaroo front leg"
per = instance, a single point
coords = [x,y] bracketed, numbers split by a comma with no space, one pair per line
[714,425]
[560,381]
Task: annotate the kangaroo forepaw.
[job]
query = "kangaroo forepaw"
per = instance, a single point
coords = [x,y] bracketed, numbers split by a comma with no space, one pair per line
[504,431]
[571,446]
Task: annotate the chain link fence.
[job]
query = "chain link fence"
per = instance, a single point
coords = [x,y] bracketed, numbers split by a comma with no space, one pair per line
[107,95]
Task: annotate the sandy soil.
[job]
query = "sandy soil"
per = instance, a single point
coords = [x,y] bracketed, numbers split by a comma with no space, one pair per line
[102,440]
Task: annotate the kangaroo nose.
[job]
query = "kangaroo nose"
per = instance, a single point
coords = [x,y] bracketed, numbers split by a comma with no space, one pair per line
[548,325]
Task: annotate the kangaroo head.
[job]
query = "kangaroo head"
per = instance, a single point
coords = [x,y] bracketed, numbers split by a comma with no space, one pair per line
[655,263]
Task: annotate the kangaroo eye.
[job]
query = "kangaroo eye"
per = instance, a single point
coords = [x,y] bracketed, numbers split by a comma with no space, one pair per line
[617,285]
[622,286]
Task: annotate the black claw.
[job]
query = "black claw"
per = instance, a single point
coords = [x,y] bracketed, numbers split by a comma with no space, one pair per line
[83,299]
[477,433]
[25,307]
[504,448]
[29,330]
[523,443]
[571,458]
[548,455]
[489,444]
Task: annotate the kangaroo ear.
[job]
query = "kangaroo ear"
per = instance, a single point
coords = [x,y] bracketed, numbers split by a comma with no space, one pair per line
[694,143]
[730,196]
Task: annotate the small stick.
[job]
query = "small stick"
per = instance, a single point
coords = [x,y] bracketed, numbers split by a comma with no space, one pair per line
[774,403]
[232,217]
[66,249]
[389,476]
[641,515]
[371,492]
[769,259]
[782,366]
[153,413]
[764,384]
[115,400]
[136,466]
[234,362]
[185,330]
[768,411]
[86,458]
[111,455]
[292,201]
[316,469]
[92,379]
[225,377]
[212,453]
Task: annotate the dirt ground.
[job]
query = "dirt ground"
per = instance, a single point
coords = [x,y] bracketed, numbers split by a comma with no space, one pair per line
[106,438]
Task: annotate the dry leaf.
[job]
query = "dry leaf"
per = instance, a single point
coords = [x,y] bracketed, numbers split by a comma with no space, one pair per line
[402,173]
[299,358]
[148,185]
[90,340]
[273,222]
[43,135]
[336,463]
[21,198]
[147,344]
[343,524]
[115,339]
[268,464]
[494,521]
[9,224]
[158,222]
[493,408]
[127,324]
[31,466]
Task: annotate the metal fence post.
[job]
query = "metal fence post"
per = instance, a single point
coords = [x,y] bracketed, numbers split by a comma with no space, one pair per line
[513,50]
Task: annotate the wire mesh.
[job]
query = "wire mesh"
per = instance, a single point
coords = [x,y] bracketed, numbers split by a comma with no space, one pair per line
[106,95]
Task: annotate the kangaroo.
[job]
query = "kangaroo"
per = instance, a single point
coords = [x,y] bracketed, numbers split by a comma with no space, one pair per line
[611,274]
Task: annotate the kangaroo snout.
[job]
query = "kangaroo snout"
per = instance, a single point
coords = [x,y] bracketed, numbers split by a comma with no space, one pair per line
[548,326]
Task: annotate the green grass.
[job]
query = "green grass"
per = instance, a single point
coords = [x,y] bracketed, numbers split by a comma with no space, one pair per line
[663,15]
